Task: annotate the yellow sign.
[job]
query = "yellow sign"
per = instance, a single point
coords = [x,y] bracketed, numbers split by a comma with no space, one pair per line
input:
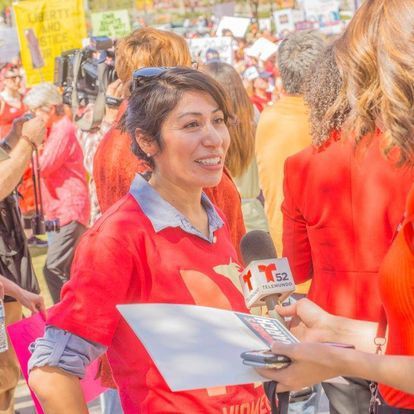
[46,28]
[144,4]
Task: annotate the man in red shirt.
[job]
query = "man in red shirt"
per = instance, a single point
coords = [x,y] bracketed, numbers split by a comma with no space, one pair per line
[63,184]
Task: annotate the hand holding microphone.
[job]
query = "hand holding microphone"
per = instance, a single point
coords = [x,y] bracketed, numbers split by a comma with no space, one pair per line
[266,280]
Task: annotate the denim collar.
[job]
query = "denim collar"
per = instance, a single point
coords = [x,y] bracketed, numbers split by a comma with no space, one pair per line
[163,215]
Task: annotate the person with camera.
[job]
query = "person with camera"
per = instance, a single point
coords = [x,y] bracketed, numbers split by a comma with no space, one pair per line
[63,184]
[15,263]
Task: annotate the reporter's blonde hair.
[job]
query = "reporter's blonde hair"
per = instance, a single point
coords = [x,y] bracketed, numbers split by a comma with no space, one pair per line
[150,47]
[242,130]
[376,59]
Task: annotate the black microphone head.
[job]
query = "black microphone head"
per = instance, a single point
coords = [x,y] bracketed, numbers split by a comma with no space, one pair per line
[257,245]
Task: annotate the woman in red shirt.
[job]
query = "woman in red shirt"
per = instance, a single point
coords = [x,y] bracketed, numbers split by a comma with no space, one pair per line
[11,101]
[163,242]
[376,57]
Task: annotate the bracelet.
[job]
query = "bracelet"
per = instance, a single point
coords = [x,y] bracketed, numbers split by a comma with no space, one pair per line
[27,139]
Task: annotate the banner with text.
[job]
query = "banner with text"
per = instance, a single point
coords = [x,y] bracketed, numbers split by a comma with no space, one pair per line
[46,28]
[324,15]
[222,46]
[114,23]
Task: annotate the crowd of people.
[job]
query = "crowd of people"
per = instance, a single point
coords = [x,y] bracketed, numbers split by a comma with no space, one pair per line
[313,145]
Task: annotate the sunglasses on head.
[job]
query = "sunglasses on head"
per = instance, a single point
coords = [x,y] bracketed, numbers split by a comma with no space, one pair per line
[143,74]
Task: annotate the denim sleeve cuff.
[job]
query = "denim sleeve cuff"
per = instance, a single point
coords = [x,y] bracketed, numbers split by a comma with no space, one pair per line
[64,350]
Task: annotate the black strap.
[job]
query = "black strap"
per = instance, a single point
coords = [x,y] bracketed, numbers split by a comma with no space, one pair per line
[282,398]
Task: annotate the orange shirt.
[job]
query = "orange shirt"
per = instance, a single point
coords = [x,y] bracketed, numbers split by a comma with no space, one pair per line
[8,115]
[282,131]
[397,288]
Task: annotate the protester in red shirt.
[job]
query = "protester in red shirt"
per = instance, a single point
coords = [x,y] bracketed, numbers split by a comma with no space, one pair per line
[261,96]
[163,242]
[63,184]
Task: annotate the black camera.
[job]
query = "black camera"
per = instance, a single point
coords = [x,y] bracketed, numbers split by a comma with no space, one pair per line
[41,226]
[85,73]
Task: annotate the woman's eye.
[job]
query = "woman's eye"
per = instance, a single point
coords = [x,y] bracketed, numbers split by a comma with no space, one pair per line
[191,125]
[219,120]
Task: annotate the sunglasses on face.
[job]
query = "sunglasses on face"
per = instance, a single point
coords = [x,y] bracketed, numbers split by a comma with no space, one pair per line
[12,77]
[143,74]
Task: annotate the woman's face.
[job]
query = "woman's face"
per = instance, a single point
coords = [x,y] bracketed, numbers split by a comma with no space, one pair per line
[12,80]
[45,113]
[195,141]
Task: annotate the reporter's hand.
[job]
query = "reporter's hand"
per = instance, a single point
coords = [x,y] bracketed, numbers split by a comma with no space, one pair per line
[35,129]
[114,89]
[311,364]
[310,323]
[31,301]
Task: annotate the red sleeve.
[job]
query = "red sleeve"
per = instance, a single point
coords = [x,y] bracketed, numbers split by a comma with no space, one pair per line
[296,245]
[56,151]
[114,168]
[100,279]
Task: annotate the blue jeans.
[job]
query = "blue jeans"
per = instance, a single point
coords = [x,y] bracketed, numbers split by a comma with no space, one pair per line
[110,402]
[310,406]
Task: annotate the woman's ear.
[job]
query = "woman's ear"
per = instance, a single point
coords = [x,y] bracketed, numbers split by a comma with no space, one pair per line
[148,145]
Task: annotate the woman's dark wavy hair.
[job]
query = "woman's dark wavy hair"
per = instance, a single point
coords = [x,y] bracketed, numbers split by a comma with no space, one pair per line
[153,100]
[321,90]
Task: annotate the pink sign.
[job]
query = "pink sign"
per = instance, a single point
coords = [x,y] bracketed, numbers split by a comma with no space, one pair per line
[23,333]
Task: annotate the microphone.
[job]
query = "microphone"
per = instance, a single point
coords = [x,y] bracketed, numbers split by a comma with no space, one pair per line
[266,280]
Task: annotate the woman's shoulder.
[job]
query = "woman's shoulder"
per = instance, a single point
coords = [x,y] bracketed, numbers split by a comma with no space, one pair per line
[122,218]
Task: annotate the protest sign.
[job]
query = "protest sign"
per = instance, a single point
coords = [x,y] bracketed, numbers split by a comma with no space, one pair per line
[9,44]
[237,25]
[45,29]
[111,23]
[262,49]
[265,24]
[322,11]
[144,5]
[223,45]
[23,333]
[286,19]
[324,14]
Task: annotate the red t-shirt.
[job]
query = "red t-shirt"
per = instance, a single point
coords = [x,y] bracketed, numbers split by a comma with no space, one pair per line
[123,260]
[9,114]
[397,287]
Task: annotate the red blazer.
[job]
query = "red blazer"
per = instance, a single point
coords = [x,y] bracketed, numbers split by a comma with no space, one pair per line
[340,212]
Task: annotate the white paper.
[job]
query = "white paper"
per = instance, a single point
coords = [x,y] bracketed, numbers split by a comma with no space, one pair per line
[193,346]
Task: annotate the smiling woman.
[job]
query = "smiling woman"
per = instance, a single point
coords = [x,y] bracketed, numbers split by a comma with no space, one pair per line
[161,243]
